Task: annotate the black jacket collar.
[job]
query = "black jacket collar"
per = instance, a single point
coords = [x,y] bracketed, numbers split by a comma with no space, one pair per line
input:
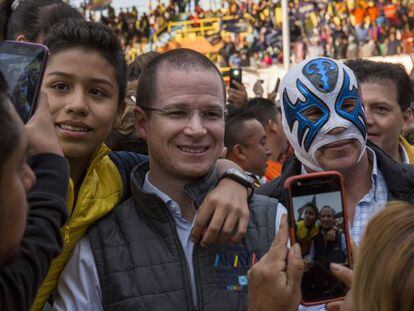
[152,206]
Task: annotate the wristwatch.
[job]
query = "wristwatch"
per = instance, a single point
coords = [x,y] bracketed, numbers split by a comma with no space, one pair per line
[241,177]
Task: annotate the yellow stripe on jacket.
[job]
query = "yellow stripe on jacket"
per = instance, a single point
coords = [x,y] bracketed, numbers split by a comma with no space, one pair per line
[99,193]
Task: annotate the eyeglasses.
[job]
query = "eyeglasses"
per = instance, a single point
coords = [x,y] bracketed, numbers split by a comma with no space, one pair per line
[186,114]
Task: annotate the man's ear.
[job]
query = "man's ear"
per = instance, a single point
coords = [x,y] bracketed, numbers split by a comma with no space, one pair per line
[238,152]
[21,38]
[141,122]
[407,116]
[271,125]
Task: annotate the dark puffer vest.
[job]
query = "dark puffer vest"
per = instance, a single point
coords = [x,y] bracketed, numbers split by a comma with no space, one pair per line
[327,252]
[142,265]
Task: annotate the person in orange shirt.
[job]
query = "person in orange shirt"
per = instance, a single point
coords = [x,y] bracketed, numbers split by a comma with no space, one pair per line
[373,12]
[267,113]
[359,14]
[391,13]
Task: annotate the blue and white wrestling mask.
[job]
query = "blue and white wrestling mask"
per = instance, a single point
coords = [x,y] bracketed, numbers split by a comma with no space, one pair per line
[330,90]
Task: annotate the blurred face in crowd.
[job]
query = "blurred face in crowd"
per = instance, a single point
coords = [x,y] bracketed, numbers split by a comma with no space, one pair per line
[16,180]
[327,219]
[385,119]
[185,137]
[276,137]
[309,217]
[83,97]
[253,151]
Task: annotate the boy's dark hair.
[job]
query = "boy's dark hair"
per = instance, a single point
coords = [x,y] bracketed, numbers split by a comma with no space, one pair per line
[233,133]
[313,207]
[9,128]
[32,17]
[263,109]
[329,208]
[178,59]
[95,36]
[370,71]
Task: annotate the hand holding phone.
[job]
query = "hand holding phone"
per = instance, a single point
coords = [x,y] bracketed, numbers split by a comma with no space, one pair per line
[40,130]
[22,65]
[318,222]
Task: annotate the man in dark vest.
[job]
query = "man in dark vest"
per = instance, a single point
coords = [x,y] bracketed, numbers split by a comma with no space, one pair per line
[140,257]
[322,250]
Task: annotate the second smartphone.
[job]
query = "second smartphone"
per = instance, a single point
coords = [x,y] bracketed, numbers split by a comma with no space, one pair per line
[319,223]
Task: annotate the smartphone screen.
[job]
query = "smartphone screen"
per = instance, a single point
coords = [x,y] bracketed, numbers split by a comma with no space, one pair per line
[319,227]
[22,65]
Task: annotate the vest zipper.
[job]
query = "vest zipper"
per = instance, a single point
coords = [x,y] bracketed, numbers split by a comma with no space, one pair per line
[66,235]
[183,260]
[196,252]
[75,208]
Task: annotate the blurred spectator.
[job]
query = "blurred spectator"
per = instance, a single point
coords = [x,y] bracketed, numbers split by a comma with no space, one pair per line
[393,44]
[386,93]
[269,116]
[245,140]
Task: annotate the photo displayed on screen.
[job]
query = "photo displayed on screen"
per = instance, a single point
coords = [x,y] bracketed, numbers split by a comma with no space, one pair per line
[319,229]
[22,73]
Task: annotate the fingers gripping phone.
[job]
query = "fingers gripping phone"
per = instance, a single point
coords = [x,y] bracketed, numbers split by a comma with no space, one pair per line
[22,65]
[318,222]
[235,75]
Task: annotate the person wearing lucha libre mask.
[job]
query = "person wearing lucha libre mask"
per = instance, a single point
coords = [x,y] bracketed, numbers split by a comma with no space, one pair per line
[324,120]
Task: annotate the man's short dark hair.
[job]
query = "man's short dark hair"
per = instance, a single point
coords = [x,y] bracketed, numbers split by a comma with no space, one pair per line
[179,59]
[328,208]
[370,71]
[233,133]
[263,109]
[94,36]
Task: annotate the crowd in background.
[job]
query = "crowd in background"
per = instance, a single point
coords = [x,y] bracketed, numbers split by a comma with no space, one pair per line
[339,29]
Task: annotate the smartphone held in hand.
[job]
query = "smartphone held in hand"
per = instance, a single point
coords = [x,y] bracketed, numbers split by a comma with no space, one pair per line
[235,75]
[22,65]
[318,222]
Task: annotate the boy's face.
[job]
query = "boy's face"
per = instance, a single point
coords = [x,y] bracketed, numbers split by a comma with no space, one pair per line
[309,217]
[83,97]
[16,179]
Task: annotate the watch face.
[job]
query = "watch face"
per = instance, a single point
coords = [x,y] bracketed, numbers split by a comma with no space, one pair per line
[240,175]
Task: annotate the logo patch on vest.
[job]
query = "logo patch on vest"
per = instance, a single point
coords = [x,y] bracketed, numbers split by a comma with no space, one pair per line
[231,264]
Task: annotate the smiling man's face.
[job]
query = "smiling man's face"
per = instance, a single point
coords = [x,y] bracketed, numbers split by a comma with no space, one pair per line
[185,133]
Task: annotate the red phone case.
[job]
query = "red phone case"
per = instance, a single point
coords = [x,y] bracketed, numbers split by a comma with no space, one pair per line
[317,175]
